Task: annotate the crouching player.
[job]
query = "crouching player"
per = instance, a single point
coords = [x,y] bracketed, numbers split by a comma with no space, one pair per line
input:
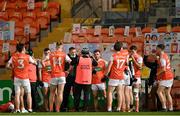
[98,75]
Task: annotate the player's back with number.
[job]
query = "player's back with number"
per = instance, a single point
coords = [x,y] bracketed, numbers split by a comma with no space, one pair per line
[57,59]
[20,64]
[164,60]
[119,63]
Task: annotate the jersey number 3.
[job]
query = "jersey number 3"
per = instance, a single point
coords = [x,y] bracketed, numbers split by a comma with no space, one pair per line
[20,63]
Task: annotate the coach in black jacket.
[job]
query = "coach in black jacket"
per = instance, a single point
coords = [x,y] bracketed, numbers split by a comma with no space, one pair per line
[70,78]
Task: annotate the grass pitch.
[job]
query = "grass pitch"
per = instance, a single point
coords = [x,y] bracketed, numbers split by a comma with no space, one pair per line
[98,113]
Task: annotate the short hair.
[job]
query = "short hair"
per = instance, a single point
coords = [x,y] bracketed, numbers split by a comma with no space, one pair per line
[133,47]
[148,35]
[118,45]
[153,36]
[19,47]
[95,51]
[161,46]
[85,51]
[46,49]
[59,44]
[30,52]
[72,48]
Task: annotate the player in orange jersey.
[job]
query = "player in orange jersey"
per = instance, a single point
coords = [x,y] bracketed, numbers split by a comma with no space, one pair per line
[137,65]
[98,75]
[116,68]
[19,63]
[58,80]
[45,76]
[164,77]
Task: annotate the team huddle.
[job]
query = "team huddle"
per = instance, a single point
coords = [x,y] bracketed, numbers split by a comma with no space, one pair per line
[60,73]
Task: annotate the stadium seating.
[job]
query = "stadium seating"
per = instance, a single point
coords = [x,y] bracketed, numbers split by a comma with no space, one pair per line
[38,6]
[19,33]
[34,31]
[11,7]
[54,10]
[29,17]
[162,29]
[43,18]
[5,56]
[15,16]
[22,7]
[176,29]
[4,16]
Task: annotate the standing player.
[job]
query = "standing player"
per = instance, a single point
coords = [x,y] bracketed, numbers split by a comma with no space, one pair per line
[58,80]
[19,62]
[83,78]
[165,78]
[137,65]
[116,68]
[45,76]
[98,75]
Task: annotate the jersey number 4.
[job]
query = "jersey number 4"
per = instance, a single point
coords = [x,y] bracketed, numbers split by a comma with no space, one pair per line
[57,61]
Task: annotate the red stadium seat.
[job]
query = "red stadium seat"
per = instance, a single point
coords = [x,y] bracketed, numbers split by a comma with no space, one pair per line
[19,33]
[92,39]
[127,39]
[29,17]
[90,31]
[105,31]
[176,29]
[132,30]
[34,31]
[11,7]
[22,7]
[38,6]
[54,10]
[138,39]
[119,31]
[107,39]
[162,29]
[15,16]
[43,18]
[4,16]
[147,30]
[77,39]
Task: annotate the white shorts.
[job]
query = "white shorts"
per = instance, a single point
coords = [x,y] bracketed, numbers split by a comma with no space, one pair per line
[115,82]
[45,84]
[138,81]
[166,83]
[100,86]
[58,81]
[126,79]
[25,83]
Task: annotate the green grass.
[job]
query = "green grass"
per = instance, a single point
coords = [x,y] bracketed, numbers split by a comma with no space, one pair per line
[99,113]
